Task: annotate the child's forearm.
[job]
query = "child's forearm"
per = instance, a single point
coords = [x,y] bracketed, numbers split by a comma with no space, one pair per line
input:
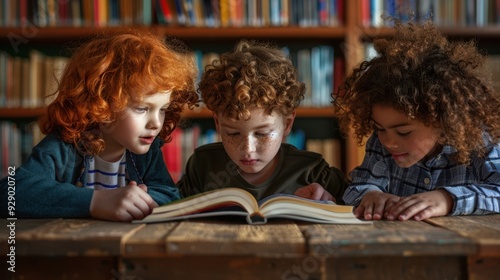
[475,199]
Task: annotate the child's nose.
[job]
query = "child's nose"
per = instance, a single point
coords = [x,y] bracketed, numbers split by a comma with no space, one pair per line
[248,144]
[389,142]
[154,122]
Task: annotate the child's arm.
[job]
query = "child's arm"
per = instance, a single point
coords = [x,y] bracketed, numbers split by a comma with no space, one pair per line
[326,183]
[314,191]
[374,205]
[421,206]
[122,204]
[43,187]
[371,176]
[154,174]
[482,197]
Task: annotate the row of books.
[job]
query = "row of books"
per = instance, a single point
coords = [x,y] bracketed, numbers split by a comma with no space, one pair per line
[441,12]
[317,67]
[17,140]
[26,82]
[207,13]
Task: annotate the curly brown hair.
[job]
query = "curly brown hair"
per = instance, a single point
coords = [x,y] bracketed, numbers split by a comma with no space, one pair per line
[430,79]
[110,71]
[255,74]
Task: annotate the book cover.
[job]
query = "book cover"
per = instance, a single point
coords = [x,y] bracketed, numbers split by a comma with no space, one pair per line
[172,154]
[163,13]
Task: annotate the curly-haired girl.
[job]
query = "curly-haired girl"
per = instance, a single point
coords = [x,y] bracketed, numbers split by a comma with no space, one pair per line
[253,93]
[434,121]
[119,98]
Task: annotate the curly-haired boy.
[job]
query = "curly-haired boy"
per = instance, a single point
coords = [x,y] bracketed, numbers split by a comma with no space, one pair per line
[253,93]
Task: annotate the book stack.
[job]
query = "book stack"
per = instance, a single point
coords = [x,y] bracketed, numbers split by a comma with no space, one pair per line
[199,13]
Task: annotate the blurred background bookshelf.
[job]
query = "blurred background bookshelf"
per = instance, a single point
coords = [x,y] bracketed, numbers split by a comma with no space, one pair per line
[35,36]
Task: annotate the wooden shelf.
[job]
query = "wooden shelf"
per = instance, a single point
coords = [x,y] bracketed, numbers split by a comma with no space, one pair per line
[196,113]
[492,32]
[21,113]
[305,112]
[65,34]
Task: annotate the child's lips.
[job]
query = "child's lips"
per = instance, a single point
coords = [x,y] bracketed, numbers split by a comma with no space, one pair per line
[248,161]
[147,139]
[398,156]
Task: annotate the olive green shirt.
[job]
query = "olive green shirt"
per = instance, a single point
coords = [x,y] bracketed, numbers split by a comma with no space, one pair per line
[210,167]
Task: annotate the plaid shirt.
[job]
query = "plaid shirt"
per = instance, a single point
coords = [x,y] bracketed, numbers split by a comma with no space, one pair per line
[475,187]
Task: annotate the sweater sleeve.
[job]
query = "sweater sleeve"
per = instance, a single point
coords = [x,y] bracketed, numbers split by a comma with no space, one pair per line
[371,175]
[155,176]
[42,188]
[484,196]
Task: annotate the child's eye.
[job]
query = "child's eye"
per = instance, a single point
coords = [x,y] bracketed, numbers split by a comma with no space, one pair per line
[404,133]
[141,109]
[233,133]
[261,134]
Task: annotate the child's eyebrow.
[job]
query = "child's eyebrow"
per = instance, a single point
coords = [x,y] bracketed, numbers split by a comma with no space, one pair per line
[153,104]
[235,126]
[393,126]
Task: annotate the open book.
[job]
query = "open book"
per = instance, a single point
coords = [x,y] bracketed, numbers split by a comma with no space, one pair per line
[234,201]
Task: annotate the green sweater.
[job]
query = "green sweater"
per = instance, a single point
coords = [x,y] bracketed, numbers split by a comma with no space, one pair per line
[210,168]
[49,184]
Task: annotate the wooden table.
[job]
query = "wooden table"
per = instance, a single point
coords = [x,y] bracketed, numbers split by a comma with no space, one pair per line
[466,247]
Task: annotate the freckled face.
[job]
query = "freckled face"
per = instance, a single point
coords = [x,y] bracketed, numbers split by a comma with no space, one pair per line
[136,128]
[408,141]
[253,144]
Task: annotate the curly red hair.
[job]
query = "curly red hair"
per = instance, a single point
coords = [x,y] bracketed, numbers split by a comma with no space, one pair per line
[107,73]
[253,75]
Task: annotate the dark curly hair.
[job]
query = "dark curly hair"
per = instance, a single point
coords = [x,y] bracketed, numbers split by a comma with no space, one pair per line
[255,74]
[428,78]
[107,73]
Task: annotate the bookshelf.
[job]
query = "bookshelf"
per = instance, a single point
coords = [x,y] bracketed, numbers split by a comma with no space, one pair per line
[348,34]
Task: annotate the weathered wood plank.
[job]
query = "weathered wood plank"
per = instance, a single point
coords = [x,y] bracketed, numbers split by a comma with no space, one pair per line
[60,267]
[9,232]
[216,268]
[385,238]
[396,267]
[74,237]
[149,241]
[226,237]
[483,268]
[484,230]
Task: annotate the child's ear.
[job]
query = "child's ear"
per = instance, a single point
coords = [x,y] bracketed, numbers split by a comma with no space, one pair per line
[216,120]
[289,123]
[107,127]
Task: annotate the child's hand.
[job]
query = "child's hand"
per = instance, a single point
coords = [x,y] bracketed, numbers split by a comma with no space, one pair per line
[314,191]
[422,206]
[374,204]
[122,204]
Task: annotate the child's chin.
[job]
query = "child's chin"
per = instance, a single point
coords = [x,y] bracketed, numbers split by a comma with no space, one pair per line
[405,164]
[140,151]
[249,169]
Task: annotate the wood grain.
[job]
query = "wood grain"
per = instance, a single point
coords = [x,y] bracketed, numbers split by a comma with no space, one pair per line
[219,238]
